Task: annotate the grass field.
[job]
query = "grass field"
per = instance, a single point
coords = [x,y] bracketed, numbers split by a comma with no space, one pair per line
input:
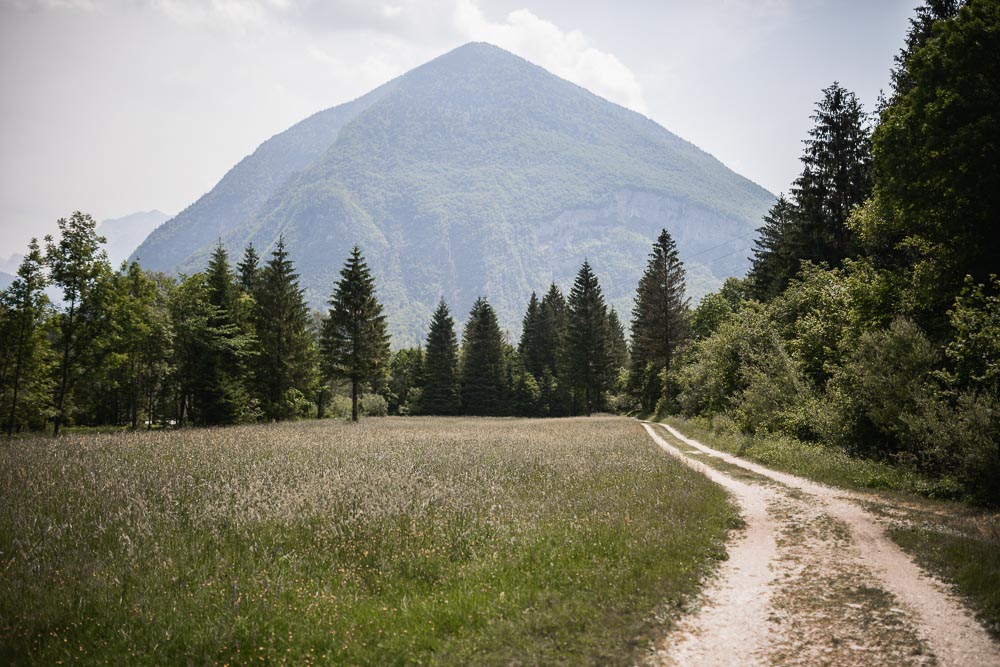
[419,541]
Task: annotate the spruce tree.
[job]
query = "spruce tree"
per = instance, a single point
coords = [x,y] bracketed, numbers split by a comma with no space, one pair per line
[285,365]
[441,389]
[836,177]
[617,347]
[248,269]
[552,330]
[482,379]
[776,252]
[355,342]
[220,389]
[659,323]
[587,345]
[531,347]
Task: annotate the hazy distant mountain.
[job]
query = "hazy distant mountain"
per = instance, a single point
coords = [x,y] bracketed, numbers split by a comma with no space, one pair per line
[475,174]
[6,279]
[125,234]
[11,264]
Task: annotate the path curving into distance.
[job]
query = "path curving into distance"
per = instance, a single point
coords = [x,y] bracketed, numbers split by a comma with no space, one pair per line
[813,579]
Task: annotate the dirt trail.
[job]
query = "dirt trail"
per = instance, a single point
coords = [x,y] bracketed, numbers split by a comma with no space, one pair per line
[814,579]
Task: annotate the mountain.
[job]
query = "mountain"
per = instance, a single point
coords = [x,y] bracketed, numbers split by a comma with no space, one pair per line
[11,264]
[477,173]
[6,279]
[125,234]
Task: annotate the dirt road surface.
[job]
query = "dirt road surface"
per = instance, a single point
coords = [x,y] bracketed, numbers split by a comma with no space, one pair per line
[813,580]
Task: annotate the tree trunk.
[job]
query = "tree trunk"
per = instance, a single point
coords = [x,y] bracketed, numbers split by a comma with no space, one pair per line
[354,399]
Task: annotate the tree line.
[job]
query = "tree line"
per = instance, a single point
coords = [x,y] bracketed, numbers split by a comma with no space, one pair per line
[237,343]
[870,320]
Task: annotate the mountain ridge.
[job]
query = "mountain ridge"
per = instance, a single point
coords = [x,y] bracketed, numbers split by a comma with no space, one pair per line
[478,173]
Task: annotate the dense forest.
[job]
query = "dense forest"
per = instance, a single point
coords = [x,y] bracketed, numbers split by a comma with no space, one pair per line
[236,343]
[870,320]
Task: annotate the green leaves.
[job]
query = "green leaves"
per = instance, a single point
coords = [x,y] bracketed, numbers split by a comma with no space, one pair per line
[354,340]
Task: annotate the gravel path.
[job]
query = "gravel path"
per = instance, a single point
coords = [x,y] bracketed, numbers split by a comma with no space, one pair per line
[812,580]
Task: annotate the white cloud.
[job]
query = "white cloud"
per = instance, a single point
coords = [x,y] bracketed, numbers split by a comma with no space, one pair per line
[566,54]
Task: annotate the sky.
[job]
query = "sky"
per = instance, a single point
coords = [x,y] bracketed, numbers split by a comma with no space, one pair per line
[117,106]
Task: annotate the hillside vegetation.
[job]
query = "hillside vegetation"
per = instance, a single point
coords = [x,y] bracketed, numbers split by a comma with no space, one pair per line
[477,174]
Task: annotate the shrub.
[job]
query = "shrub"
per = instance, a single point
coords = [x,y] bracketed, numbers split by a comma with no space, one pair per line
[872,395]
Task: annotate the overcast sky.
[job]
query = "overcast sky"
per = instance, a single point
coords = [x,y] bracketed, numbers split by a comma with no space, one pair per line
[118,106]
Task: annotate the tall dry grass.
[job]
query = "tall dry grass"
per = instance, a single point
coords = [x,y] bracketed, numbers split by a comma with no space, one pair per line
[393,541]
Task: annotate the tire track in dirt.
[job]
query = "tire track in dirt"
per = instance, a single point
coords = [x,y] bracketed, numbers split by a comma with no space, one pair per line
[814,579]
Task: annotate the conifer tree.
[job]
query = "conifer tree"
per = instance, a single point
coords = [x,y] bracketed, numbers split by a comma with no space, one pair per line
[836,177]
[441,388]
[776,253]
[248,269]
[285,366]
[659,323]
[355,342]
[617,347]
[223,349]
[23,310]
[587,346]
[482,379]
[552,330]
[531,347]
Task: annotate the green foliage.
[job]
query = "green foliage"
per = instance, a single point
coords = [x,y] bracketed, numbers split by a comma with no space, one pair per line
[406,374]
[835,178]
[25,353]
[355,343]
[440,395]
[285,363]
[483,389]
[883,381]
[588,352]
[466,177]
[777,251]
[936,158]
[659,325]
[973,350]
[80,270]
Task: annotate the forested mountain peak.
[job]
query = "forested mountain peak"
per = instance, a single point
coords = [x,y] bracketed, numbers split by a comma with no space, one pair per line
[477,173]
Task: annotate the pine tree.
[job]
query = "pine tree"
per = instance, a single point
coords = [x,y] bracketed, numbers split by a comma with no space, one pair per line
[285,366]
[552,330]
[836,176]
[531,347]
[659,323]
[776,252]
[80,269]
[617,348]
[248,269]
[555,394]
[441,388]
[482,379]
[23,310]
[355,343]
[587,345]
[220,393]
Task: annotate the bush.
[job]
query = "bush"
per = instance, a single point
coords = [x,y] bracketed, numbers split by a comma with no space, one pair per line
[963,441]
[882,383]
[373,405]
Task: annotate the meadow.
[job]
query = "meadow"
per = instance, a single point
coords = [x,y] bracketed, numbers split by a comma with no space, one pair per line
[394,541]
